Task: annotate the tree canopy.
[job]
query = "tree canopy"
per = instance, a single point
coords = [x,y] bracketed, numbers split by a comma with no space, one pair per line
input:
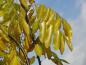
[26,26]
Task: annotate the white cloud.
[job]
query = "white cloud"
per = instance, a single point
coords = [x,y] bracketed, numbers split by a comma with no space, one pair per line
[77,57]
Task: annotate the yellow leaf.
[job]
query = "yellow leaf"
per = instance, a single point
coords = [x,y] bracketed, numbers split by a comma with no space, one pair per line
[2,54]
[24,3]
[31,1]
[41,11]
[38,50]
[4,36]
[56,40]
[22,12]
[14,61]
[11,54]
[62,44]
[1,13]
[24,25]
[51,17]
[42,31]
[35,26]
[47,14]
[67,29]
[26,44]
[32,20]
[57,24]
[69,43]
[14,30]
[48,36]
[2,45]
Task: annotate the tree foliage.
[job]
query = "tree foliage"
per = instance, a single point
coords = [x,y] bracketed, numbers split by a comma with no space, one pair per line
[27,26]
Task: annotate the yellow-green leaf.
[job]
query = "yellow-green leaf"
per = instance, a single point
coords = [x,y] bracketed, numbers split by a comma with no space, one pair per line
[62,44]
[56,40]
[51,17]
[35,26]
[41,11]
[47,14]
[24,25]
[38,50]
[14,61]
[67,29]
[2,45]
[57,24]
[42,31]
[14,29]
[69,43]
[24,3]
[31,1]
[48,36]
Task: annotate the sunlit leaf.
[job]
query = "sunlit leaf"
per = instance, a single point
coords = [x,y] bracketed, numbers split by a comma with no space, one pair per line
[40,11]
[69,43]
[56,40]
[62,44]
[42,31]
[15,61]
[35,25]
[31,1]
[24,25]
[51,18]
[24,4]
[67,29]
[48,36]
[38,50]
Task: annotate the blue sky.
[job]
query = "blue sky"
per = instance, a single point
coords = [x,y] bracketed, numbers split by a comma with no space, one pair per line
[67,8]
[75,12]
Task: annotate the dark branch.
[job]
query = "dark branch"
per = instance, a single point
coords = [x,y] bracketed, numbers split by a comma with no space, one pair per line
[39,61]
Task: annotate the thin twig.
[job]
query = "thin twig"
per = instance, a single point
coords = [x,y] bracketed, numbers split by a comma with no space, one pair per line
[39,61]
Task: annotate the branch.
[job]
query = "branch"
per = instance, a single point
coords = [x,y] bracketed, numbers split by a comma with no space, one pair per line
[39,61]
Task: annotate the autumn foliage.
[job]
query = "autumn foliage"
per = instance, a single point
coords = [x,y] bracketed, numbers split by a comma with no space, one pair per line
[27,26]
